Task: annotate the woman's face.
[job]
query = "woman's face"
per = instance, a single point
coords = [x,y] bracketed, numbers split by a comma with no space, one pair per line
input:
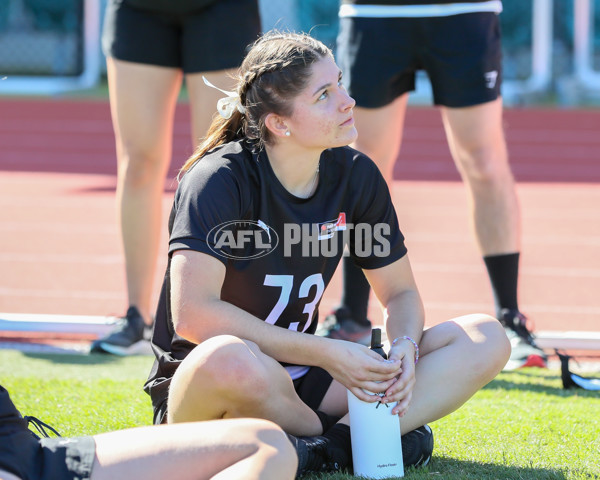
[322,112]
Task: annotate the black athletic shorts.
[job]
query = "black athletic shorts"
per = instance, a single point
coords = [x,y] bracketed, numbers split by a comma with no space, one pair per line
[462,55]
[28,457]
[312,387]
[211,38]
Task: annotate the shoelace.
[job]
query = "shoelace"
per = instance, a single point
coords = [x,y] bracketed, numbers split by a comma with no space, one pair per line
[40,427]
[522,327]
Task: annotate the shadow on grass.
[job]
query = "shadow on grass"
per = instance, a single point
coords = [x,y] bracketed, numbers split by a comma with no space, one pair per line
[530,381]
[91,359]
[452,469]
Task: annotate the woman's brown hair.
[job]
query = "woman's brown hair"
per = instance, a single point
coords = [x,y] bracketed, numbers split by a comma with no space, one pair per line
[275,70]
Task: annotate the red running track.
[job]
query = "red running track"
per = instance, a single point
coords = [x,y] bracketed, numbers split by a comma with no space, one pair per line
[60,250]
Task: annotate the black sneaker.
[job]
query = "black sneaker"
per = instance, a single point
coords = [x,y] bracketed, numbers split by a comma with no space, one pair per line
[340,325]
[417,447]
[130,337]
[316,454]
[11,420]
[524,351]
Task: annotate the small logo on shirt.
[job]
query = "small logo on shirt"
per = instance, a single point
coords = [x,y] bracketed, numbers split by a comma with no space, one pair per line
[242,239]
[327,229]
[490,78]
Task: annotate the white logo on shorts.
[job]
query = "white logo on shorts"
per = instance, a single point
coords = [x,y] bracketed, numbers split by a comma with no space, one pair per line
[490,78]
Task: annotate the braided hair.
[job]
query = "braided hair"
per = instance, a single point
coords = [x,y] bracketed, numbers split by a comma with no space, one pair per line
[276,69]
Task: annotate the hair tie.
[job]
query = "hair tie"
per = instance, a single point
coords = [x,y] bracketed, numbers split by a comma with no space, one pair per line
[406,337]
[226,105]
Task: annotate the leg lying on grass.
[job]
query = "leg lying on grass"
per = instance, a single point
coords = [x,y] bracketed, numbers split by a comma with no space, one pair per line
[240,448]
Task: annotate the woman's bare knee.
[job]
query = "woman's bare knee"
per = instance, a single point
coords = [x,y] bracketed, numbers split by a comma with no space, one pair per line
[489,344]
[217,374]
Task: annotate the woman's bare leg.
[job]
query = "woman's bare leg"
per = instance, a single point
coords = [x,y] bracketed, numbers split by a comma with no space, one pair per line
[240,448]
[226,377]
[458,358]
[142,100]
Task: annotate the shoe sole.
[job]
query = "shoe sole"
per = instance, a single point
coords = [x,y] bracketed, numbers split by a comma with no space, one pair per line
[143,347]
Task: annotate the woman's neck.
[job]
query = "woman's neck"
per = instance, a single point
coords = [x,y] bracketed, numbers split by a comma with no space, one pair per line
[297,171]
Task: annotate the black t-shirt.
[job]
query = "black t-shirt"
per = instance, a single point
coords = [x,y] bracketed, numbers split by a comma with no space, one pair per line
[280,251]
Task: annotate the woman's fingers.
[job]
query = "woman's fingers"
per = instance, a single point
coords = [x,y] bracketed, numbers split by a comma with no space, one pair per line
[402,405]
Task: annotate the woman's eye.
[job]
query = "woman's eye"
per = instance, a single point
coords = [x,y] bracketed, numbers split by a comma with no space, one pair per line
[323,96]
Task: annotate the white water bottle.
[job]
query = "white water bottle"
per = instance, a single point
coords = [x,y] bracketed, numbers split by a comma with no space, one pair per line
[375,432]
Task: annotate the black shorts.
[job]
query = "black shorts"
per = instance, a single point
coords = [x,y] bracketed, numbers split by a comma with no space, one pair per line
[26,456]
[462,55]
[211,38]
[312,387]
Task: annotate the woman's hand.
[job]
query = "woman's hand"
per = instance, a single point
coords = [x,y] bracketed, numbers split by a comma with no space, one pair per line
[357,367]
[400,390]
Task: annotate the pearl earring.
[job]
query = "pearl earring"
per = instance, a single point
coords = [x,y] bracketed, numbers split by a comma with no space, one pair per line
[287,133]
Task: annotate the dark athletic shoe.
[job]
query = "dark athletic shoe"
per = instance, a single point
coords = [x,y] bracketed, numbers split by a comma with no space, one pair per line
[131,336]
[11,420]
[524,351]
[316,454]
[417,447]
[340,325]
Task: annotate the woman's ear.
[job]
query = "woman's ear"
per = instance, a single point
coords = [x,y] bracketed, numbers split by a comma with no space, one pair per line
[276,125]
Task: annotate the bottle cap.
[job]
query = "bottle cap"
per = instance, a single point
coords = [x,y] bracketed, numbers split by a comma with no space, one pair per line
[376,338]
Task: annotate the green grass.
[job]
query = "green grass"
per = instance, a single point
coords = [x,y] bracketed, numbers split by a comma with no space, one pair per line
[523,425]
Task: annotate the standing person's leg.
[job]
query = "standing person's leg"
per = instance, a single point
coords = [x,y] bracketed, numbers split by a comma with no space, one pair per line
[144,78]
[143,99]
[379,137]
[203,100]
[476,140]
[466,78]
[478,147]
[237,448]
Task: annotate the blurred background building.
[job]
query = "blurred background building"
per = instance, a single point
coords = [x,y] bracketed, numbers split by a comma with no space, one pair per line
[551,47]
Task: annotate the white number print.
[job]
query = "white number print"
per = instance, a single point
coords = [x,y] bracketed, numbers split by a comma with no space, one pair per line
[286,283]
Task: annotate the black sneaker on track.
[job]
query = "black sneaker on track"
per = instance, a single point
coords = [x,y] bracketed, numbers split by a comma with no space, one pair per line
[131,336]
[316,454]
[524,351]
[417,447]
[340,325]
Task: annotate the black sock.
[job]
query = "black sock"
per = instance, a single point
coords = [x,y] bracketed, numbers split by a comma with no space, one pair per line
[356,291]
[503,271]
